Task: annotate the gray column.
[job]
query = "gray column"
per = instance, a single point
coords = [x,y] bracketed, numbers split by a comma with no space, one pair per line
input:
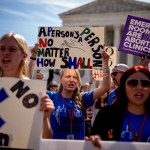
[130,59]
[86,77]
[117,38]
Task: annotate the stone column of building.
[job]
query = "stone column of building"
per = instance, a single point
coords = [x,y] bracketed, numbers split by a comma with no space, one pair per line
[117,38]
[130,60]
[86,77]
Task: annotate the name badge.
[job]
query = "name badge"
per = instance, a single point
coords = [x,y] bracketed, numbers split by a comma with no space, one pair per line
[70,136]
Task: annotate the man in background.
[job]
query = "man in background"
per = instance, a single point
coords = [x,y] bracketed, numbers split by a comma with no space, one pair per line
[116,74]
[39,75]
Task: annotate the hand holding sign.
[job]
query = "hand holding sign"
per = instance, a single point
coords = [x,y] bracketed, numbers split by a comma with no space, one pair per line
[46,105]
[21,100]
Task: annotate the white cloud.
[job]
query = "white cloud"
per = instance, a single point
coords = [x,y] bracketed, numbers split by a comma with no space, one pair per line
[52,7]
[146,1]
[37,14]
[13,12]
[62,3]
[30,15]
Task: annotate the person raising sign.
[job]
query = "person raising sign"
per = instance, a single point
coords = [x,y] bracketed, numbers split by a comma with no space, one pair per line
[67,120]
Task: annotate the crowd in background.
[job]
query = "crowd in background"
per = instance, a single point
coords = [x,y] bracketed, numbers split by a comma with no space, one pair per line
[114,110]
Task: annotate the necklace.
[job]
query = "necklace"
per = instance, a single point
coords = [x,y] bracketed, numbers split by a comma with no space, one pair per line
[137,136]
[70,113]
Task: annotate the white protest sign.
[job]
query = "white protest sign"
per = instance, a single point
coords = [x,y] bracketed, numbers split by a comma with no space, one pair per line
[70,47]
[87,145]
[20,118]
[98,72]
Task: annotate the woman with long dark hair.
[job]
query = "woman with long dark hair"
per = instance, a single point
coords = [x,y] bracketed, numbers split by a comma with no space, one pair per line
[128,119]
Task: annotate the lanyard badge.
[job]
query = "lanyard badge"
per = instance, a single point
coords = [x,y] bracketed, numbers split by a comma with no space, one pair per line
[71,114]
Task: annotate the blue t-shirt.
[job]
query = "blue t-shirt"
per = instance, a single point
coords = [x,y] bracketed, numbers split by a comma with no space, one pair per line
[111,97]
[60,118]
[136,122]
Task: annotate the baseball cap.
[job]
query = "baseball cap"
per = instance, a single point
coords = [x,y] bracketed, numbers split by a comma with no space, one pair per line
[120,67]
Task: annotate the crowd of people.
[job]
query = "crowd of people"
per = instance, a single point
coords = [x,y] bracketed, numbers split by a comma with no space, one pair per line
[119,114]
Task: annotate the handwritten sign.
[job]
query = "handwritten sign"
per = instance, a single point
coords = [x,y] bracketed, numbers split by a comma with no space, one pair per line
[70,47]
[20,118]
[87,145]
[136,36]
[98,72]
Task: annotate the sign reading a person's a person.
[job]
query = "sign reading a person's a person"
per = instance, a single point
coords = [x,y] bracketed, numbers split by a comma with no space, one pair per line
[20,118]
[136,36]
[70,47]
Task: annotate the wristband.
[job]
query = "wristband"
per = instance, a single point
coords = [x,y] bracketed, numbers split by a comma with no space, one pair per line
[32,58]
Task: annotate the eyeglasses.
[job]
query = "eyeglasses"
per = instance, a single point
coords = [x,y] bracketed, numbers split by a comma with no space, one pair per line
[134,83]
[115,73]
[53,86]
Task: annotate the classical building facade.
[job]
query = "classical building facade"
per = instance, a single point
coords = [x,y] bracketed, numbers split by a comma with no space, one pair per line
[110,14]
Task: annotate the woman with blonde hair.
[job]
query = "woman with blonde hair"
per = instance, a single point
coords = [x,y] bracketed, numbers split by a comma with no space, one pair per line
[13,54]
[67,120]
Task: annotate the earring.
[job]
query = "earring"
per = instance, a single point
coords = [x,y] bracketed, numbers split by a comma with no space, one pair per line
[25,55]
[110,134]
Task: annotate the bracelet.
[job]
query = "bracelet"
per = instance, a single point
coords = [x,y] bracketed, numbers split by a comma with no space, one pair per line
[90,83]
[32,58]
[106,70]
[105,75]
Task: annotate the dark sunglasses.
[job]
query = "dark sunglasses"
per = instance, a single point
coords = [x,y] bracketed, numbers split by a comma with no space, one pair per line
[134,83]
[115,73]
[53,85]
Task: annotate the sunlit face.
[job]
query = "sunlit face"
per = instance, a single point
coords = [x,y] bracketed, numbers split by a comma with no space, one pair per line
[137,95]
[10,56]
[53,87]
[85,86]
[116,75]
[39,75]
[69,80]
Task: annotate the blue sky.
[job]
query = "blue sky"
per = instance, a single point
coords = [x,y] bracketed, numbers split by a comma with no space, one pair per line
[24,16]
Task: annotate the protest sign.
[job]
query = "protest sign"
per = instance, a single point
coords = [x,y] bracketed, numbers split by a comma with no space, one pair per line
[98,72]
[136,36]
[46,144]
[20,118]
[70,47]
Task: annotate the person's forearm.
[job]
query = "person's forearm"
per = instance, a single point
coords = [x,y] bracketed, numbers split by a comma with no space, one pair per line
[106,76]
[31,67]
[96,83]
[47,131]
[32,62]
[105,86]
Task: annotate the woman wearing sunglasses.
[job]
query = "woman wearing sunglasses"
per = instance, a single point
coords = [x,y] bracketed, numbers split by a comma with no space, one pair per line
[128,119]
[52,86]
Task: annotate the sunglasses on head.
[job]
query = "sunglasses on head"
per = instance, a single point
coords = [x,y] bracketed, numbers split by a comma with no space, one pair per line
[134,83]
[53,85]
[115,73]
